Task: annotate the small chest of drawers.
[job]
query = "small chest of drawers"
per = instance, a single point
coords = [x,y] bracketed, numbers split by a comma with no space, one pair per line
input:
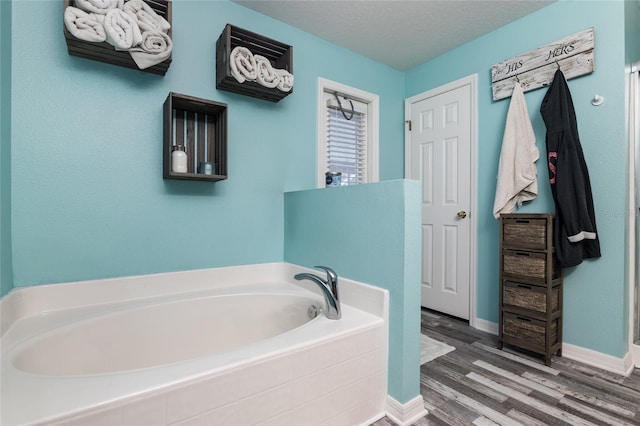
[530,285]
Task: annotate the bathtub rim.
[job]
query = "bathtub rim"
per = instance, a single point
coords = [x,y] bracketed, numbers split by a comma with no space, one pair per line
[26,301]
[54,320]
[16,348]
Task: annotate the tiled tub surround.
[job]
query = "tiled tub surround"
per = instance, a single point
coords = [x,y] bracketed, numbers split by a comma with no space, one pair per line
[322,372]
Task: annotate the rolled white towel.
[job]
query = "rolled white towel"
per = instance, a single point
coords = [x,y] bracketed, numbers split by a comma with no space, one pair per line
[243,64]
[122,30]
[148,19]
[265,74]
[286,80]
[83,25]
[100,7]
[156,46]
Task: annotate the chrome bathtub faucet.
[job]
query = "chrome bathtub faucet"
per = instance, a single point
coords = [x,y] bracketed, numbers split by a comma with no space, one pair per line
[329,288]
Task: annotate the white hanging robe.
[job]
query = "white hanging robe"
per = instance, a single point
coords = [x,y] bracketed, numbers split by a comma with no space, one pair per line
[517,181]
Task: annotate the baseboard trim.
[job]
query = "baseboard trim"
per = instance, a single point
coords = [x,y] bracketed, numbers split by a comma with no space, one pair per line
[486,326]
[635,350]
[405,414]
[623,366]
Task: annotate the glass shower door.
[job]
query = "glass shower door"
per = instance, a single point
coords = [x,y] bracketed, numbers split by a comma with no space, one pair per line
[634,128]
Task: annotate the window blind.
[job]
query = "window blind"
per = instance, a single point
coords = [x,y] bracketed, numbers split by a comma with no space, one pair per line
[346,140]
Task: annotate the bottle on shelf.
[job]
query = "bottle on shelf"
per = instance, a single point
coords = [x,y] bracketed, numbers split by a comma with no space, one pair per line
[179,159]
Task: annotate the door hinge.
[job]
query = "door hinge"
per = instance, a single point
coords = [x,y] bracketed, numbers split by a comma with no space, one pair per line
[408,121]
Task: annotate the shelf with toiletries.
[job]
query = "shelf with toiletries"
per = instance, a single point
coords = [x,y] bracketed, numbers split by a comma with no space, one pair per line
[135,34]
[194,138]
[253,65]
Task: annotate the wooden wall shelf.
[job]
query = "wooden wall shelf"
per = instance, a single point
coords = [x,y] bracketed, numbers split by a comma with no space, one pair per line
[201,126]
[104,52]
[279,54]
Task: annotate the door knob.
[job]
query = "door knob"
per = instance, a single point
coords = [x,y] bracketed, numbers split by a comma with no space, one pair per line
[462,214]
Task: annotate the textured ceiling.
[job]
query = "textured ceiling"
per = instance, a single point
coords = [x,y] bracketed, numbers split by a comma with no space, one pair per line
[399,33]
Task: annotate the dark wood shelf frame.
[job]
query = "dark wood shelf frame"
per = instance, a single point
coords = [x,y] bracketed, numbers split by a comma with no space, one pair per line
[531,284]
[201,126]
[279,54]
[104,52]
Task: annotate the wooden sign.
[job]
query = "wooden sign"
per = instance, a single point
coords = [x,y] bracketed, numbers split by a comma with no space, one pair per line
[573,54]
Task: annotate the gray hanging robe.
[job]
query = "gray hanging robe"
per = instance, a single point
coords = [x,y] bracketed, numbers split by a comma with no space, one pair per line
[575,236]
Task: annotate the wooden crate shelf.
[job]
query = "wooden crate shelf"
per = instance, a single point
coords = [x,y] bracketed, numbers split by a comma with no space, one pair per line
[279,54]
[104,52]
[201,126]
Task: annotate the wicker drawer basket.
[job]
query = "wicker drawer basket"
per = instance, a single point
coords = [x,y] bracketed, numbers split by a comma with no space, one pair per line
[525,233]
[526,265]
[530,330]
[530,297]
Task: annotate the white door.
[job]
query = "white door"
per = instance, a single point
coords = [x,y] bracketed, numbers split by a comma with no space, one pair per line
[440,156]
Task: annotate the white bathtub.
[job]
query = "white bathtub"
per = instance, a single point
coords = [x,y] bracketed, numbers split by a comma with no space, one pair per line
[222,346]
[164,333]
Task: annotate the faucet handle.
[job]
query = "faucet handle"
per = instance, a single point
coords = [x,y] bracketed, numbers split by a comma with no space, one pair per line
[332,277]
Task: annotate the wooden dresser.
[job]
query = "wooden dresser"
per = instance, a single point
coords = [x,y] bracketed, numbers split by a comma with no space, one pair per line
[530,285]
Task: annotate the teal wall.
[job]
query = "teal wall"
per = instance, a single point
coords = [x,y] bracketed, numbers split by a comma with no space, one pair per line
[369,233]
[89,200]
[6,264]
[632,31]
[595,292]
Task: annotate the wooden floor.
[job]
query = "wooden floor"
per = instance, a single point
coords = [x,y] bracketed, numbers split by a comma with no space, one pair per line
[477,384]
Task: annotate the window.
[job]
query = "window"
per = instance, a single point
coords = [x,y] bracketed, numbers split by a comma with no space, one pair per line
[347,133]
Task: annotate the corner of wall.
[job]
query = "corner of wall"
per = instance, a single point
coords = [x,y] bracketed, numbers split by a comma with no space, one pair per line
[388,257]
[412,283]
